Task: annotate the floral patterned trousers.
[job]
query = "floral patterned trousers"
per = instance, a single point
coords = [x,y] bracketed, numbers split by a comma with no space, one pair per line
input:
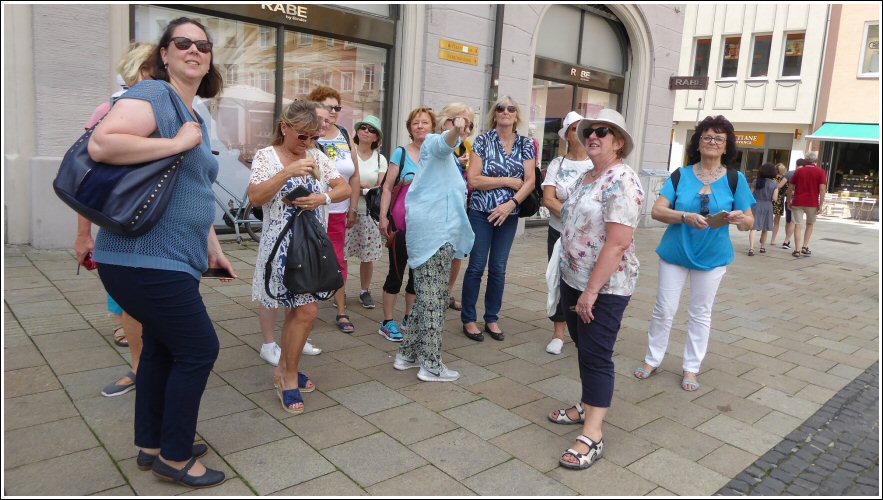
[423,337]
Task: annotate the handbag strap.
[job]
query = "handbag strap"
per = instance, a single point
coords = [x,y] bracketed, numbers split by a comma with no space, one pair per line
[268,267]
[177,103]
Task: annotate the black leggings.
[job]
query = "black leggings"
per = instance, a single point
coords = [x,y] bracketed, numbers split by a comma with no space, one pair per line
[398,261]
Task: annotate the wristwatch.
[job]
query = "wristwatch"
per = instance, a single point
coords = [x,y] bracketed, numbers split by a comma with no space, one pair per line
[327,199]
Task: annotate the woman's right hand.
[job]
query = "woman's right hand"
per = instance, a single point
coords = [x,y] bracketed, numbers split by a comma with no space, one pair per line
[697,221]
[384,226]
[300,168]
[189,136]
[83,246]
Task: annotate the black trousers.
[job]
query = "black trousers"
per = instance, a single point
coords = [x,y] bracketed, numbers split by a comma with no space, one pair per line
[398,261]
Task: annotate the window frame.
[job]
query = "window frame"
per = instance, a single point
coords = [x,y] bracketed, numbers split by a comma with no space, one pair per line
[863,52]
[369,69]
[344,75]
[785,40]
[264,37]
[696,54]
[723,56]
[754,38]
[304,39]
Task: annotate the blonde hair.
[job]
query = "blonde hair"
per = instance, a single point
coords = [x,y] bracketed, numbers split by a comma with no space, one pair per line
[136,58]
[299,116]
[492,114]
[451,110]
[781,168]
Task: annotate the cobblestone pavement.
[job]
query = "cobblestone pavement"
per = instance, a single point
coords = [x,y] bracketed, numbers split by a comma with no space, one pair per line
[788,335]
[836,452]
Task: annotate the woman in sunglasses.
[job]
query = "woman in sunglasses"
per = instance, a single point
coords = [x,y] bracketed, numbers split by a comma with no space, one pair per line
[341,216]
[501,173]
[599,271]
[155,277]
[562,177]
[691,248]
[363,241]
[438,231]
[292,162]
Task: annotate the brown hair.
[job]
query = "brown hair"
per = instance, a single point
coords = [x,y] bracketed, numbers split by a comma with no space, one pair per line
[319,94]
[212,83]
[413,114]
[299,115]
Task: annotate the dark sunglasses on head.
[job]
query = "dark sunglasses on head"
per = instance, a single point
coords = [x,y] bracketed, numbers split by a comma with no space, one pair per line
[703,210]
[305,137]
[369,128]
[510,108]
[336,109]
[184,43]
[600,132]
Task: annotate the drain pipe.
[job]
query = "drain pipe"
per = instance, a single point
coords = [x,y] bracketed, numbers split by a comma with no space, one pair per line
[494,90]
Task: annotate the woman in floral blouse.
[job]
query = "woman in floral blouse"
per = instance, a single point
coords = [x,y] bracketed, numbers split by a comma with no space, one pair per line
[599,271]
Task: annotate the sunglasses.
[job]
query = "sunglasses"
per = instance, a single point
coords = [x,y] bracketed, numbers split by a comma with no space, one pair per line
[501,108]
[305,137]
[336,109]
[703,200]
[600,132]
[184,43]
[469,125]
[369,128]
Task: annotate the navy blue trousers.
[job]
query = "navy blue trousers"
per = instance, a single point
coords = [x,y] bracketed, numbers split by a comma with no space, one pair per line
[180,349]
[594,342]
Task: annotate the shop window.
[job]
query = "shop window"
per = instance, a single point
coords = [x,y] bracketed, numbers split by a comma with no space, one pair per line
[264,41]
[870,63]
[700,56]
[730,59]
[346,81]
[793,58]
[760,56]
[368,83]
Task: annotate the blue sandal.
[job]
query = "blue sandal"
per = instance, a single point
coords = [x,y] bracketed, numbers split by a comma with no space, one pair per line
[302,381]
[288,398]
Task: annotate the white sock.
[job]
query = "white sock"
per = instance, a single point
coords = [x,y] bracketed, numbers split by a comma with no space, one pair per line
[268,346]
[365,290]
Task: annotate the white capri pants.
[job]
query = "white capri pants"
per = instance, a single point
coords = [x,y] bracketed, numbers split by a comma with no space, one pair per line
[703,288]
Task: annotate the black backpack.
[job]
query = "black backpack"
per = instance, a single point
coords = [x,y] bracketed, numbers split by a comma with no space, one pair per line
[732,179]
[531,205]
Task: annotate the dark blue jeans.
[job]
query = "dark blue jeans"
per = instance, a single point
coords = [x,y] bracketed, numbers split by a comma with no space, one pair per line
[491,249]
[180,349]
[594,342]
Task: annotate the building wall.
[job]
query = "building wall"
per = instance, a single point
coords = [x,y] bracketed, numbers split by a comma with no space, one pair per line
[852,99]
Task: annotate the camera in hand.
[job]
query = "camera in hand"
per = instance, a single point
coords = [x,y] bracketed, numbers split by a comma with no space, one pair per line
[217,273]
[298,192]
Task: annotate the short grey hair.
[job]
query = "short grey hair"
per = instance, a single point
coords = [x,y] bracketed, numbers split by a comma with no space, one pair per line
[812,157]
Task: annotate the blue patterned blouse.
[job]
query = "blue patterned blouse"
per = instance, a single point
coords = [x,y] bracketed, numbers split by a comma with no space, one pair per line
[496,163]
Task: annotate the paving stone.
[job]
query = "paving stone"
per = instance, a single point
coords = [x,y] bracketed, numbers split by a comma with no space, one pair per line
[362,357]
[777,381]
[684,412]
[732,406]
[521,371]
[393,459]
[535,352]
[35,409]
[506,392]
[684,441]
[313,426]
[79,360]
[621,447]
[617,481]
[627,416]
[81,473]
[677,474]
[220,401]
[727,460]
[426,480]
[470,373]
[482,354]
[335,484]
[778,423]
[484,418]
[534,446]
[721,380]
[460,454]
[438,396]
[251,379]
[516,478]
[825,380]
[411,423]
[334,375]
[236,357]
[367,398]
[560,388]
[784,403]
[113,422]
[227,436]
[88,384]
[739,434]
[29,381]
[45,441]
[231,488]
[279,464]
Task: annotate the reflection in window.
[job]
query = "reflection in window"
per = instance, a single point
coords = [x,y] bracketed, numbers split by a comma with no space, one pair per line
[871,50]
[760,59]
[265,37]
[730,61]
[793,54]
[700,60]
[265,81]
[303,82]
[346,81]
[304,39]
[368,84]
[231,75]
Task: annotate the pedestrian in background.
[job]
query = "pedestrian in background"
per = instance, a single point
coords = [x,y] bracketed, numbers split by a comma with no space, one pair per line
[789,223]
[779,202]
[765,192]
[806,198]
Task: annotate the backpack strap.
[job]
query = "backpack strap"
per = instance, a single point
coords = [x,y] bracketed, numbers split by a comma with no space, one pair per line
[344,133]
[732,179]
[268,267]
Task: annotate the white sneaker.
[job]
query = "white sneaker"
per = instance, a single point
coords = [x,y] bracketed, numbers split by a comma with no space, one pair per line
[309,350]
[442,374]
[403,363]
[555,346]
[271,354]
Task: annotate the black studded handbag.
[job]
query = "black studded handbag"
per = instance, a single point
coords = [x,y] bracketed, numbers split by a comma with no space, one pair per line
[124,199]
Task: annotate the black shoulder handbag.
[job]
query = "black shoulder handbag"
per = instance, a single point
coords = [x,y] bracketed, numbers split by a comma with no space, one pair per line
[531,205]
[311,265]
[127,200]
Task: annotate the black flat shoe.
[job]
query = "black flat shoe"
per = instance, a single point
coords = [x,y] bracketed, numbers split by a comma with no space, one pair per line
[495,335]
[168,473]
[478,337]
[145,461]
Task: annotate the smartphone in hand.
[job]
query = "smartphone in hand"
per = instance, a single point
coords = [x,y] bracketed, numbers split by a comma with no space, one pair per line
[217,273]
[298,192]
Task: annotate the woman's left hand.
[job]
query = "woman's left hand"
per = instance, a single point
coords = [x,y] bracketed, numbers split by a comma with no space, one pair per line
[498,215]
[585,304]
[220,261]
[310,202]
[351,217]
[735,217]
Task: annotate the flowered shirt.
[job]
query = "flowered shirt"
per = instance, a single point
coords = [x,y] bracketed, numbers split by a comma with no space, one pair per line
[617,197]
[565,175]
[496,163]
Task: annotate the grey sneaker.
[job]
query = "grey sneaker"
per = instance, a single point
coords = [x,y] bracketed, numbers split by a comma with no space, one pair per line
[403,363]
[366,300]
[440,374]
[118,389]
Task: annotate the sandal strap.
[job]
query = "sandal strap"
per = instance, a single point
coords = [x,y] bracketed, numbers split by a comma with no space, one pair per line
[291,397]
[588,442]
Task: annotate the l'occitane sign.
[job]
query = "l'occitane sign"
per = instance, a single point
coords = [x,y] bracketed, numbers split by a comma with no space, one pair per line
[750,139]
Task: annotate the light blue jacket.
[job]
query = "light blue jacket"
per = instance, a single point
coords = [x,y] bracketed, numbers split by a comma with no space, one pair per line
[435,208]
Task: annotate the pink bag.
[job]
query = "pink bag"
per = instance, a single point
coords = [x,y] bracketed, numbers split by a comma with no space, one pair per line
[397,205]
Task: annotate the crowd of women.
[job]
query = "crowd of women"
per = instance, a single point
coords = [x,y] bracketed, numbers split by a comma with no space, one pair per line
[443,200]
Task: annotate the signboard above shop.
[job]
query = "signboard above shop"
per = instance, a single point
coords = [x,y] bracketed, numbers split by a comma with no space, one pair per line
[688,83]
[551,69]
[750,139]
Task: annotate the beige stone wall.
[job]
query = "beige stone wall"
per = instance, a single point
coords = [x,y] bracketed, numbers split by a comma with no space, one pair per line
[852,99]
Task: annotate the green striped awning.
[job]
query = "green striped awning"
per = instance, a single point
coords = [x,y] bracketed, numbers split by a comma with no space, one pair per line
[863,133]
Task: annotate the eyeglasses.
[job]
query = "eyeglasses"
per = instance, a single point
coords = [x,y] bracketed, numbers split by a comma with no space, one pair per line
[469,125]
[600,132]
[305,137]
[510,108]
[184,43]
[703,199]
[336,109]
[710,139]
[369,128]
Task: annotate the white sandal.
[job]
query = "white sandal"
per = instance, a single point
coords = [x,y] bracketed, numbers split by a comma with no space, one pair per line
[596,451]
[563,419]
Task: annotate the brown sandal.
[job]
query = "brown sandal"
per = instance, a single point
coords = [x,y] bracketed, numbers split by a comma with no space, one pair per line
[119,337]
